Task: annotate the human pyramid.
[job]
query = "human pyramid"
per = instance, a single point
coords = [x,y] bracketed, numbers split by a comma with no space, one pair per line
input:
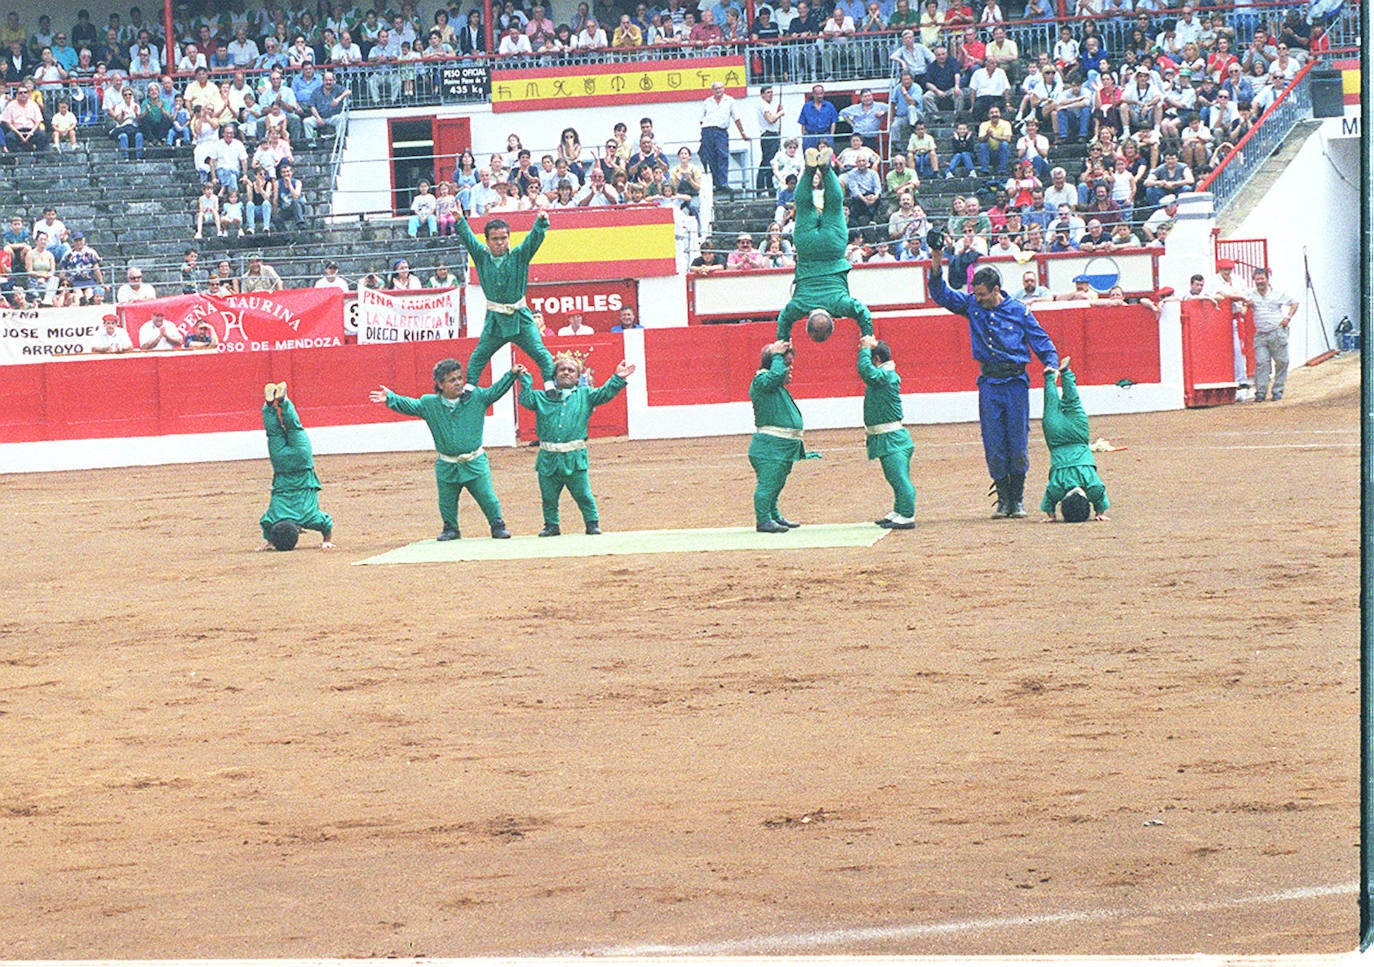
[1002,331]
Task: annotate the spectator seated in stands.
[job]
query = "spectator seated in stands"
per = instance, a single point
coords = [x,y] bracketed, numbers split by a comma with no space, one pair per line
[848,159]
[271,152]
[864,194]
[994,140]
[900,180]
[229,158]
[865,119]
[123,116]
[422,212]
[159,333]
[41,266]
[745,255]
[201,336]
[259,277]
[82,266]
[963,145]
[111,337]
[684,182]
[1170,178]
[134,288]
[290,200]
[22,124]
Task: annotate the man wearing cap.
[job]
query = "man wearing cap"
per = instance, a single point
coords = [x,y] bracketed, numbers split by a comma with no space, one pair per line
[259,277]
[1000,330]
[456,420]
[1073,483]
[1142,102]
[1273,311]
[1166,213]
[1083,291]
[332,279]
[112,337]
[134,288]
[504,272]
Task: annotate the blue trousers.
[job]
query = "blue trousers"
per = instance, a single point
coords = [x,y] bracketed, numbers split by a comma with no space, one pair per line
[1003,158]
[715,155]
[1004,416]
[962,158]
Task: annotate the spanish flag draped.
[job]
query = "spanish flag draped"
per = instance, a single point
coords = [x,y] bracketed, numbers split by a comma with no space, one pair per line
[607,242]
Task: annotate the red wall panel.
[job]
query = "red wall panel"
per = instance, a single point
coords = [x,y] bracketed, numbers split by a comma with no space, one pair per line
[605,351]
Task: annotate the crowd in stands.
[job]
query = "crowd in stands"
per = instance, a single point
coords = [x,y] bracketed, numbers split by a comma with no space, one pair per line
[244,88]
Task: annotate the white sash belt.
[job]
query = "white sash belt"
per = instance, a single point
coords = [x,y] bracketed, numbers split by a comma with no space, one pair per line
[786,432]
[882,428]
[572,446]
[462,457]
[508,308]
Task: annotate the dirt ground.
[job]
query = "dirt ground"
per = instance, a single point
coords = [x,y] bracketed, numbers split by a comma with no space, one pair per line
[980,737]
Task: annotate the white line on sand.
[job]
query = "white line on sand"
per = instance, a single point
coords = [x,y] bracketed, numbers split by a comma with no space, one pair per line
[802,942]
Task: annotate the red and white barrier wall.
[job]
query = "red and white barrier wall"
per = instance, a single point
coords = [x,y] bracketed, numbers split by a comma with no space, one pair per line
[153,408]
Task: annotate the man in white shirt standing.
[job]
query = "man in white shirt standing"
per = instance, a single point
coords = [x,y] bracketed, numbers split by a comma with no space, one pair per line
[717,111]
[770,136]
[1273,311]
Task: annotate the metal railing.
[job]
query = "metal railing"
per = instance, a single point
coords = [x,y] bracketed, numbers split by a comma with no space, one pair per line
[858,57]
[1240,164]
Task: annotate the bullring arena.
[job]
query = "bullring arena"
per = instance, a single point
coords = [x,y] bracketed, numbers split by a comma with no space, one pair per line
[687,736]
[977,737]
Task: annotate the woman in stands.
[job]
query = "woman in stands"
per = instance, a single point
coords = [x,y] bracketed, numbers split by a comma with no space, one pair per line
[259,198]
[464,177]
[401,277]
[570,150]
[124,115]
[447,35]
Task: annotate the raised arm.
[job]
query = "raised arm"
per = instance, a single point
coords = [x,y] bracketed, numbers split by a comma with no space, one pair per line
[527,394]
[405,405]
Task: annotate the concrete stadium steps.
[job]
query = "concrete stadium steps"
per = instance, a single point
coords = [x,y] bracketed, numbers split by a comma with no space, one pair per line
[143,211]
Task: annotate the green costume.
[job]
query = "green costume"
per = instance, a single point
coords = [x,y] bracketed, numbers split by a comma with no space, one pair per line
[819,240]
[295,488]
[1065,425]
[561,425]
[777,441]
[456,426]
[503,281]
[888,441]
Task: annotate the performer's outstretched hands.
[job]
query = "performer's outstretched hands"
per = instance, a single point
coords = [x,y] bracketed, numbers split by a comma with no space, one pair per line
[868,342]
[378,395]
[780,347]
[519,369]
[624,370]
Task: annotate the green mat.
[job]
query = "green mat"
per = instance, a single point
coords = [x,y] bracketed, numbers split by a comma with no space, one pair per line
[631,542]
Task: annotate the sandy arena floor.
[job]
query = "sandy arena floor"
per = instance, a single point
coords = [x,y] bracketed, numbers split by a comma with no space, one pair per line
[980,737]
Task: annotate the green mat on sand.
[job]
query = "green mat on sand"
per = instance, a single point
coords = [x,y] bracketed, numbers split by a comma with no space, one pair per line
[631,542]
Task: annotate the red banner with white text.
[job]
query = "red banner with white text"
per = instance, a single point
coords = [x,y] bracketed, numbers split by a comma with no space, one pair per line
[252,321]
[598,303]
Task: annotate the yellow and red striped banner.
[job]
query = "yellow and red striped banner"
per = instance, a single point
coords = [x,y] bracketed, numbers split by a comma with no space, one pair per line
[609,242]
[1350,79]
[595,85]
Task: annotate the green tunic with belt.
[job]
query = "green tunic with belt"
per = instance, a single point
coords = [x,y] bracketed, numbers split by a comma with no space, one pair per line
[888,441]
[457,426]
[560,422]
[504,279]
[772,454]
[819,239]
[1065,425]
[295,487]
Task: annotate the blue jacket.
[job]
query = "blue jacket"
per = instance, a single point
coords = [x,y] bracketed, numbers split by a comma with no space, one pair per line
[818,120]
[998,335]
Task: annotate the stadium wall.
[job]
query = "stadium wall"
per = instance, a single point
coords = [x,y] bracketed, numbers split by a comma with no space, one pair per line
[1327,167]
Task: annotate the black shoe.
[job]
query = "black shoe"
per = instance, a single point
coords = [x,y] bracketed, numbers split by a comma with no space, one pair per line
[1276,397]
[1016,509]
[895,525]
[772,527]
[554,393]
[593,527]
[498,530]
[550,530]
[1003,488]
[449,534]
[789,524]
[884,521]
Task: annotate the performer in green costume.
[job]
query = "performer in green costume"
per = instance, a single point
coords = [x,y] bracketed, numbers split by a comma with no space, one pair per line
[777,441]
[295,500]
[888,440]
[456,418]
[561,416]
[820,290]
[1073,483]
[504,272]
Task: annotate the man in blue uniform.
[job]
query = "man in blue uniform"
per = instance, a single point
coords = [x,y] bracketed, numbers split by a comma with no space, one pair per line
[1000,329]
